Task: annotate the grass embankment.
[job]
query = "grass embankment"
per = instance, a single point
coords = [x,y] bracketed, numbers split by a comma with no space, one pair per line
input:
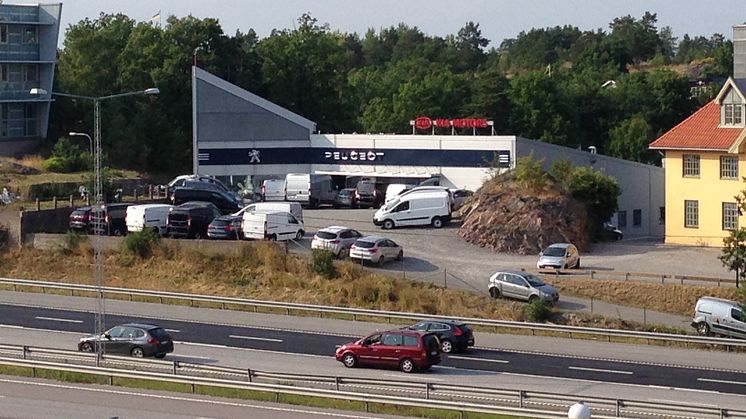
[263,271]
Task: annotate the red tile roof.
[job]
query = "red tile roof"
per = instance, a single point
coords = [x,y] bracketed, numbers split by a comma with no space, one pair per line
[699,131]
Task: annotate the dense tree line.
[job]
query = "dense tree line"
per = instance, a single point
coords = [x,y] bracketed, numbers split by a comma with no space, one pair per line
[549,84]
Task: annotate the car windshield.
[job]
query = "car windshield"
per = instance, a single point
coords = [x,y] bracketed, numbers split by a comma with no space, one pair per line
[554,251]
[344,192]
[326,235]
[364,244]
[393,203]
[533,280]
[219,222]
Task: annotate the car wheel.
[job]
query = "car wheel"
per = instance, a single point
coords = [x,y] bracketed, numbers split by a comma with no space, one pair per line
[437,222]
[137,352]
[400,256]
[388,224]
[156,232]
[272,237]
[160,356]
[533,298]
[406,365]
[117,232]
[703,329]
[198,236]
[299,235]
[349,360]
[446,346]
[494,292]
[86,347]
[381,261]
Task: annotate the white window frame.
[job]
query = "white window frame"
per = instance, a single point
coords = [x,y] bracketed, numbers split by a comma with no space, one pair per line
[730,216]
[729,167]
[691,165]
[691,213]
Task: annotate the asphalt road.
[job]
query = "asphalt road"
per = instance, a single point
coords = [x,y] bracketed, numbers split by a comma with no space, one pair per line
[33,398]
[323,344]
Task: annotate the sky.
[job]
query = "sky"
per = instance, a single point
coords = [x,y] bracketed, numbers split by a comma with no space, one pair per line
[498,19]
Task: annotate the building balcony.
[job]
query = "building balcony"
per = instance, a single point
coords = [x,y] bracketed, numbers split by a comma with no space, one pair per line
[19,52]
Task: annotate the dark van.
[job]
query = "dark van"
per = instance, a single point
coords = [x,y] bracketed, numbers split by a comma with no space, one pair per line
[110,218]
[226,203]
[190,220]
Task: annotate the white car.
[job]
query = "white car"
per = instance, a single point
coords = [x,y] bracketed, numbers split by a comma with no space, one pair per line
[337,239]
[376,249]
[559,256]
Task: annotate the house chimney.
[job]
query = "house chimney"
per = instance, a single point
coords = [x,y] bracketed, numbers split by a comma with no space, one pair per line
[739,51]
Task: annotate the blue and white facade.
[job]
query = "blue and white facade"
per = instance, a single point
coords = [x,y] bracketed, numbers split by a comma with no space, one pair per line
[28,53]
[241,137]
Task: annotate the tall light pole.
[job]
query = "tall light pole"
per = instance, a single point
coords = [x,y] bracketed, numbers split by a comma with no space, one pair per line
[98,271]
[83,134]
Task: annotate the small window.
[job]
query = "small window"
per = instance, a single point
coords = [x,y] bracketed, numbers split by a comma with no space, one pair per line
[737,115]
[691,214]
[410,340]
[729,167]
[3,34]
[392,339]
[636,218]
[421,326]
[139,333]
[29,35]
[621,219]
[4,72]
[292,219]
[728,114]
[404,206]
[691,165]
[730,216]
[736,314]
[31,73]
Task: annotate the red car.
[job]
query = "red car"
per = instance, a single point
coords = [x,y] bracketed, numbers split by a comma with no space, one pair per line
[408,350]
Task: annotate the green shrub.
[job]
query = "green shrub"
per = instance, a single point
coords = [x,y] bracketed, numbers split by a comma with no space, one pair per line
[140,243]
[56,164]
[537,311]
[72,241]
[322,262]
[529,173]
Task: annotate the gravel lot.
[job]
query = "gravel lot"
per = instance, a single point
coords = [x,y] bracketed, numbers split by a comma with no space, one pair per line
[429,251]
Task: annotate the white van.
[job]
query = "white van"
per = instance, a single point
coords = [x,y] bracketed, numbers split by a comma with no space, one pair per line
[277,225]
[273,190]
[717,316]
[310,190]
[155,216]
[291,207]
[396,189]
[421,208]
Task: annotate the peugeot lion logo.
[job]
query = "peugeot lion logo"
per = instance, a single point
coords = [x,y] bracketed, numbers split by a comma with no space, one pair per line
[254,156]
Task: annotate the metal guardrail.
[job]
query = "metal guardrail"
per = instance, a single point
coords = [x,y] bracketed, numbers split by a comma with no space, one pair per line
[369,390]
[647,277]
[355,313]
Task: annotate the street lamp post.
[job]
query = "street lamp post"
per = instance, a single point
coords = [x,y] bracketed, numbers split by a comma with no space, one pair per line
[83,134]
[100,326]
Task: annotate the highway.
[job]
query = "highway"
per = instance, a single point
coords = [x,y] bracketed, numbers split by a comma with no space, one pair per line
[305,345]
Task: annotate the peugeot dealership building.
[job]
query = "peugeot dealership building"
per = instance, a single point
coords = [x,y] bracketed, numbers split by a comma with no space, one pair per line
[240,137]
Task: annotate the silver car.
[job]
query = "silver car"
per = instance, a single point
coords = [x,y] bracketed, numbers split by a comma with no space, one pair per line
[559,256]
[336,239]
[521,285]
[376,249]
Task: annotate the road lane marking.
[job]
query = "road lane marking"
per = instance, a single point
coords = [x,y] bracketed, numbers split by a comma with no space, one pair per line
[600,370]
[56,319]
[173,330]
[466,358]
[238,348]
[184,399]
[12,326]
[254,338]
[409,377]
[713,380]
[682,403]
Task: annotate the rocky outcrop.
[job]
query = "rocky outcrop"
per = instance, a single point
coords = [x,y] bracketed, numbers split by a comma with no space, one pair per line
[13,167]
[506,217]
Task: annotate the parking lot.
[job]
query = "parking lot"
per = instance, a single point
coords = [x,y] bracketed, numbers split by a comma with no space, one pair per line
[428,252]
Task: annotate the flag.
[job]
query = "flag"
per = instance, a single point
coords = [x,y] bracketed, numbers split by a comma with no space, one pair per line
[156,17]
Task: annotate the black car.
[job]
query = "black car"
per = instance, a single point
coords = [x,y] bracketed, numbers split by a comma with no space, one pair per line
[134,339]
[190,219]
[80,219]
[226,203]
[226,227]
[454,336]
[366,194]
[109,219]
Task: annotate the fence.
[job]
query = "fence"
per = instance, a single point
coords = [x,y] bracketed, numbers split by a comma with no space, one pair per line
[137,193]
[388,316]
[446,396]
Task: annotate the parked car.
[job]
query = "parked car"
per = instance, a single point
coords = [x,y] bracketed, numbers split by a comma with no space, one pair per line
[454,336]
[346,198]
[273,190]
[190,219]
[179,181]
[218,187]
[407,350]
[226,203]
[272,225]
[138,340]
[376,249]
[559,256]
[521,285]
[426,208]
[292,207]
[612,232]
[366,194]
[152,216]
[109,219]
[80,219]
[226,227]
[459,196]
[719,316]
[336,239]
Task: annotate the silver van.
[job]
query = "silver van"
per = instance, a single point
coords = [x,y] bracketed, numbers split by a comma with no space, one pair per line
[719,316]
